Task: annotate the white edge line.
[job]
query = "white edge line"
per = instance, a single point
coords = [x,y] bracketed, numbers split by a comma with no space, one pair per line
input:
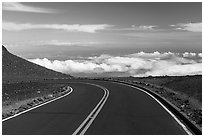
[177,120]
[88,125]
[39,105]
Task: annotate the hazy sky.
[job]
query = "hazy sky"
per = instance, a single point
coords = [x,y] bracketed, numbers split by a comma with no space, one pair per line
[62,31]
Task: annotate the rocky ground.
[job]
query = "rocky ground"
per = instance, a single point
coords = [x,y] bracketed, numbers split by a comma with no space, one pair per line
[15,102]
[189,103]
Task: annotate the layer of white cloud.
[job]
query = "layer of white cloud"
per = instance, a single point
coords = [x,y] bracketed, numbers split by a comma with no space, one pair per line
[194,27]
[143,27]
[200,55]
[16,6]
[138,64]
[11,26]
[136,28]
[50,42]
[187,54]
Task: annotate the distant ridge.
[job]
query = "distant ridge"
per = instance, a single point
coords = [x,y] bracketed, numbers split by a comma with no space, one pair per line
[15,68]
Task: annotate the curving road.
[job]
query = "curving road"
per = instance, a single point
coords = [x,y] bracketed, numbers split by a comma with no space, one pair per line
[110,109]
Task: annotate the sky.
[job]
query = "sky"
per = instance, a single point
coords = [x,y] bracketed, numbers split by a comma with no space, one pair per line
[113,39]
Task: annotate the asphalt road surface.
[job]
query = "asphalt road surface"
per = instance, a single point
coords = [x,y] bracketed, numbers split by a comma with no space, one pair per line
[125,111]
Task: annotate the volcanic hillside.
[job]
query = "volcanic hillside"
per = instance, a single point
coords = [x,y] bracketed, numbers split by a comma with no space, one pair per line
[15,68]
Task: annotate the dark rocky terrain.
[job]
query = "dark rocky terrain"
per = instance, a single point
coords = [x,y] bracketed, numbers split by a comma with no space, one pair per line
[191,86]
[24,82]
[16,69]
[183,92]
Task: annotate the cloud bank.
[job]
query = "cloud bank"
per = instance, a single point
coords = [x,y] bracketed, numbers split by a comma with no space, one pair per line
[138,28]
[11,26]
[50,42]
[16,6]
[138,64]
[143,27]
[193,27]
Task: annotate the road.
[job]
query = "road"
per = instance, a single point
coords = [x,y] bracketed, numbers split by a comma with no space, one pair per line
[126,111]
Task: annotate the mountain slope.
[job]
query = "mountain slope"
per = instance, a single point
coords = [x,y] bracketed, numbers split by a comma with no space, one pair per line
[15,68]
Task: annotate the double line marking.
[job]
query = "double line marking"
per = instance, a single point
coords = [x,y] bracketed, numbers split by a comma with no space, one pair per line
[88,121]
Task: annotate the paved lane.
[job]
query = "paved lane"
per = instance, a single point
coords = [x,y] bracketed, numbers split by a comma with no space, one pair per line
[62,116]
[126,111]
[130,111]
